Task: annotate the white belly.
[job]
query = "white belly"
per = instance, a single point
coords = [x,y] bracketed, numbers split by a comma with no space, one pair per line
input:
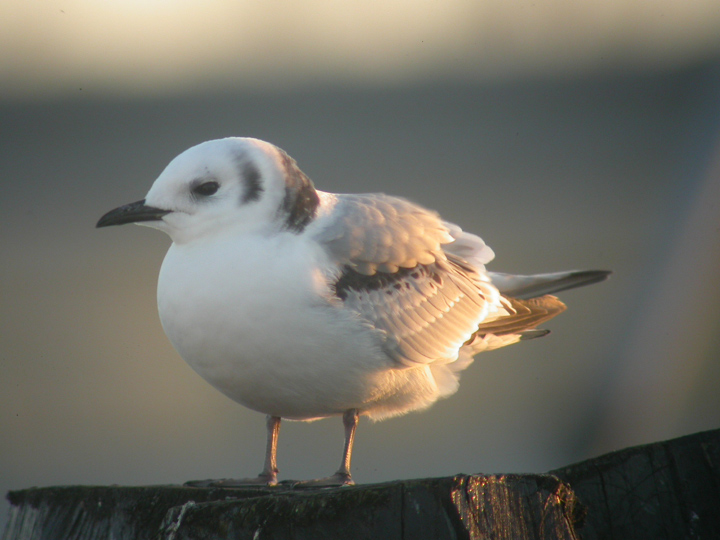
[253,321]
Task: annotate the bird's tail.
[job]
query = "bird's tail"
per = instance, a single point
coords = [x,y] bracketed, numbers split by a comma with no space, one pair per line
[527,302]
[525,287]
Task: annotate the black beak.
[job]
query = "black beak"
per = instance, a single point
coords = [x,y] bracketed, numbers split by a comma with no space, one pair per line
[131,213]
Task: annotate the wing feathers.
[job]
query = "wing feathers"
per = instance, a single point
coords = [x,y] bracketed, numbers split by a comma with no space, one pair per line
[421,282]
[376,232]
[527,315]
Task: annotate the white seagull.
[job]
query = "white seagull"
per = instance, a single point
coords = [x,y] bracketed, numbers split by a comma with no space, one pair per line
[302,304]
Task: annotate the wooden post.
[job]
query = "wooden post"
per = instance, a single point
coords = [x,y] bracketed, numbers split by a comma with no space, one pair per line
[663,490]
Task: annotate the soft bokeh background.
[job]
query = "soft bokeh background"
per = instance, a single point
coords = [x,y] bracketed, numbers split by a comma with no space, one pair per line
[568,135]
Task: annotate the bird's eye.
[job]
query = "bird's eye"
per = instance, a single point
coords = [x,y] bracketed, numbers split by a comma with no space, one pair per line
[206,189]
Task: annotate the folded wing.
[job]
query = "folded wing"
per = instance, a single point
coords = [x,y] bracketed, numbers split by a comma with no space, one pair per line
[422,282]
[401,270]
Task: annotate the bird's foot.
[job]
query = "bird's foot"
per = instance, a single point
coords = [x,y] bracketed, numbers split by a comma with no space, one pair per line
[263,479]
[336,480]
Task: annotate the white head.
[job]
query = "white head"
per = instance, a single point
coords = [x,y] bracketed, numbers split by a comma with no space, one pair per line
[224,186]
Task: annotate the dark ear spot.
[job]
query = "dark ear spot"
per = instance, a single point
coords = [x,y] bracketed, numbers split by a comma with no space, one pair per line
[251,181]
[301,200]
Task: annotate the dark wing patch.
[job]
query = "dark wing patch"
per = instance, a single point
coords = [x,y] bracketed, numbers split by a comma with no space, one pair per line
[426,312]
[351,280]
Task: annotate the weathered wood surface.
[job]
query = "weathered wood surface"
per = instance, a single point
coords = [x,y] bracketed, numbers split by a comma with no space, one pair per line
[528,506]
[664,490]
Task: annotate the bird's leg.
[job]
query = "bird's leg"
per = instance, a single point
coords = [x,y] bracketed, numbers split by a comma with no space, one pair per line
[342,477]
[351,418]
[270,470]
[268,476]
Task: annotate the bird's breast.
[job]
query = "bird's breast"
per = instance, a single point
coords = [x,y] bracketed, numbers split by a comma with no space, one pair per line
[256,320]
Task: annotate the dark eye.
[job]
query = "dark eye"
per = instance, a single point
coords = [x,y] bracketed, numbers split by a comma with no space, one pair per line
[206,189]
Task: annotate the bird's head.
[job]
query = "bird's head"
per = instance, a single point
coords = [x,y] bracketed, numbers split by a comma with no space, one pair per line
[223,186]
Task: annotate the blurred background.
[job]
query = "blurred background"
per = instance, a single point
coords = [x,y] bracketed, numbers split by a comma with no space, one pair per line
[568,135]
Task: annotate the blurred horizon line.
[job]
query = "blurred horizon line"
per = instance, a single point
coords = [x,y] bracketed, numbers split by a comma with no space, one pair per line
[101,94]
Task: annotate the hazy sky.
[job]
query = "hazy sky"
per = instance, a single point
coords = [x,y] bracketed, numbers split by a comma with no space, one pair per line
[160,46]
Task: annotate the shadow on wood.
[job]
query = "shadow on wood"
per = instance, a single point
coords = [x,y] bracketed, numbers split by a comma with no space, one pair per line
[663,490]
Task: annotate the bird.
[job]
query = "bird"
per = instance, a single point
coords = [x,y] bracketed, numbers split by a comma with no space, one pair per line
[302,304]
